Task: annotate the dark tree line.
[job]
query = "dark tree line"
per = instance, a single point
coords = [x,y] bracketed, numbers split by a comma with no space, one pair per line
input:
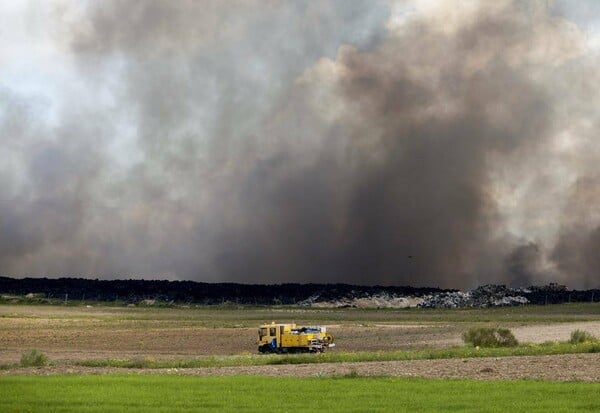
[134,291]
[192,292]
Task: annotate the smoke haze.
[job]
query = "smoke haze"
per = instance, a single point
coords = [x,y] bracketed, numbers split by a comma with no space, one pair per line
[364,142]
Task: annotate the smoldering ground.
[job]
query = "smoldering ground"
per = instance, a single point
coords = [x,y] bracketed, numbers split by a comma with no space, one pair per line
[356,142]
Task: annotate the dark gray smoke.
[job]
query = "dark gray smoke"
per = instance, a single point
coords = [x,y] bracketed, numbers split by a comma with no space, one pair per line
[577,251]
[526,265]
[350,141]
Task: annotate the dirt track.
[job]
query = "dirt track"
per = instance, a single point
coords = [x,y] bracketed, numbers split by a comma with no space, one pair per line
[567,367]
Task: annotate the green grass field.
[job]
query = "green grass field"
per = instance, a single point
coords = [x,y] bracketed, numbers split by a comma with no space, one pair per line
[260,394]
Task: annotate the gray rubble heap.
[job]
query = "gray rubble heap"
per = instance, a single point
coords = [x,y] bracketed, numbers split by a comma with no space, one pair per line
[484,296]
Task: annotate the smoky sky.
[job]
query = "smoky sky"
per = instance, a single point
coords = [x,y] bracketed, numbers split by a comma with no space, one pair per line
[362,142]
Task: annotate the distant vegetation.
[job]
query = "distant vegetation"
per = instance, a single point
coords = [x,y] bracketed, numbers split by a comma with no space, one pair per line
[161,292]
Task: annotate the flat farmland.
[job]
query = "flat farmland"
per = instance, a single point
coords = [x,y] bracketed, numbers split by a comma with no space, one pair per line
[73,333]
[69,335]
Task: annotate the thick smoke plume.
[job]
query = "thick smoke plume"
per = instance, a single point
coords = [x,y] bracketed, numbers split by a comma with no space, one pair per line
[356,142]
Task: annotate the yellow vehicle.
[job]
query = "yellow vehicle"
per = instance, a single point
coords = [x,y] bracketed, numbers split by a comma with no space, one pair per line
[289,338]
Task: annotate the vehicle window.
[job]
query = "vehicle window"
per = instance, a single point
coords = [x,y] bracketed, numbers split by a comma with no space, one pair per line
[262,332]
[272,331]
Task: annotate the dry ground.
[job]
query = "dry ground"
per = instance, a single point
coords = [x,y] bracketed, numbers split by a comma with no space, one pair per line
[76,333]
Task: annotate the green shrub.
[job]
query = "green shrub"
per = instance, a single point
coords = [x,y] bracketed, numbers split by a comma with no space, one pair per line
[490,337]
[33,358]
[581,336]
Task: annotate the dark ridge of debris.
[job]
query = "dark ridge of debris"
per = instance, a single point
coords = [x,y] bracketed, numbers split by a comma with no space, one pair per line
[484,296]
[134,291]
[153,292]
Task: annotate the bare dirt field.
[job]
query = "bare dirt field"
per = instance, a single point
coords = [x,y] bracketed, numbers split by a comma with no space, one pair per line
[70,334]
[538,333]
[67,334]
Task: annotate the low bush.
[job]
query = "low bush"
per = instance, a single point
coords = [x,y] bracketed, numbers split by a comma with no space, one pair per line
[581,336]
[33,358]
[490,337]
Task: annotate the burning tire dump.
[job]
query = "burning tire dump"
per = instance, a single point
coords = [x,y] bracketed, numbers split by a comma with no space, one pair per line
[140,292]
[220,188]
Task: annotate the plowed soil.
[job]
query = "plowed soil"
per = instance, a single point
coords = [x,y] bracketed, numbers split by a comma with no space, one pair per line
[72,334]
[566,367]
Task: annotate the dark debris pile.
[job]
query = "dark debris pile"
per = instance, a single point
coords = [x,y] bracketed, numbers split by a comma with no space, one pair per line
[484,296]
[313,295]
